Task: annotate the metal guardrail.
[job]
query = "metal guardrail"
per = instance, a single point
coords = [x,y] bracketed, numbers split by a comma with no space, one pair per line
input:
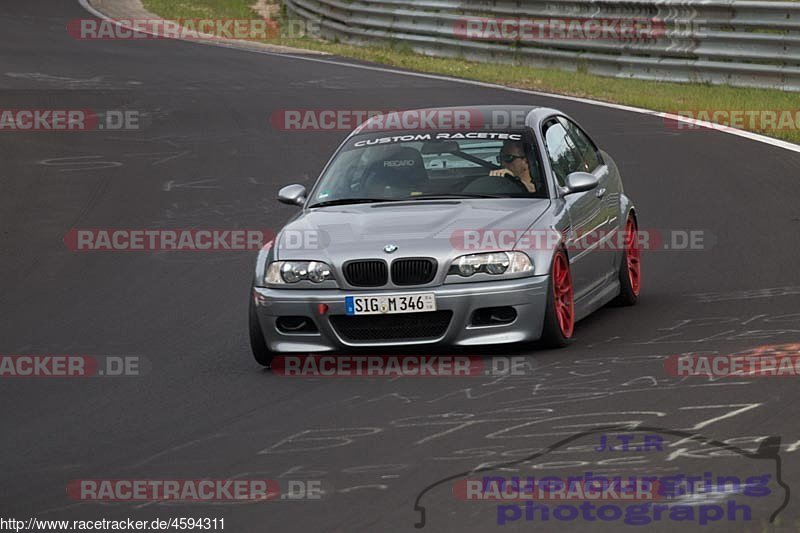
[735,42]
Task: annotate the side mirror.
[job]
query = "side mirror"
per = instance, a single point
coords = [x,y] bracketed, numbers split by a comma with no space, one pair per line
[581,181]
[292,195]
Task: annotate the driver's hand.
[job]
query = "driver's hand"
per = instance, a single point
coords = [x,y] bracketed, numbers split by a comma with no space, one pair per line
[502,172]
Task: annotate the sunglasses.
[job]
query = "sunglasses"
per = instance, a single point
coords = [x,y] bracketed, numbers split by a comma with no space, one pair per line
[508,158]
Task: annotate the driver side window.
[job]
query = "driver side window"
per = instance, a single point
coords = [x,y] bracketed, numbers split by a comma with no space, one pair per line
[564,156]
[588,150]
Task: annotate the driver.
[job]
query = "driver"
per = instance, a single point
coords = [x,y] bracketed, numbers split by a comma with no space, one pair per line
[514,164]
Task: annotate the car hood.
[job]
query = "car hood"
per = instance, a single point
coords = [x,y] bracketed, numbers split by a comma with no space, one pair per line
[419,228]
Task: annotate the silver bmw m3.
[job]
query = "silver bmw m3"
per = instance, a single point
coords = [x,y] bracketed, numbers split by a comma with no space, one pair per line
[448,226]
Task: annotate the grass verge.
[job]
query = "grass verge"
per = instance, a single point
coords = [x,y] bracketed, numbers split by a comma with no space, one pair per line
[659,96]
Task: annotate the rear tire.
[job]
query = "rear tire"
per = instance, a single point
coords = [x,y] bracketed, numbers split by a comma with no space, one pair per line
[258,345]
[630,271]
[559,316]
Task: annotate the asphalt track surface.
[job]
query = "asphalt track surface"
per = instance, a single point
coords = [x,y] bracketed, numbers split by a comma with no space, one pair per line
[204,409]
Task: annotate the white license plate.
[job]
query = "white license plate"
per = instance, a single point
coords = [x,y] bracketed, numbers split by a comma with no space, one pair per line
[394,303]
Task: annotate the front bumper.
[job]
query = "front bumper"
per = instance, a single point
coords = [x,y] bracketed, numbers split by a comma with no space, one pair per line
[528,296]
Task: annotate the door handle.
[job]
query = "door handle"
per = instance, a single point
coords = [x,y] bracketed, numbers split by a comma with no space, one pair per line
[600,192]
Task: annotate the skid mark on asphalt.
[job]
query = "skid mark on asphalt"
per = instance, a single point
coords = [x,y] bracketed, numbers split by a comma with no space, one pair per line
[70,83]
[83,163]
[197,184]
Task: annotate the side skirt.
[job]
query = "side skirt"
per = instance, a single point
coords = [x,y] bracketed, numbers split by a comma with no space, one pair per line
[596,299]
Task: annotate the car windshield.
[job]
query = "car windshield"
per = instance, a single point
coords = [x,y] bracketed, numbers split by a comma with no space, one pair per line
[431,165]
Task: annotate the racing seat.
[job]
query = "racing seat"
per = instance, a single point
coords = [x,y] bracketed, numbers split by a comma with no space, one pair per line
[397,175]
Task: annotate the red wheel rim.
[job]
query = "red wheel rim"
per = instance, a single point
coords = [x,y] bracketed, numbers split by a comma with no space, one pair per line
[632,257]
[562,295]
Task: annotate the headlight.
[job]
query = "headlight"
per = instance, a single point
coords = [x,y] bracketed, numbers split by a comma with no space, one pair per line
[281,272]
[319,272]
[493,263]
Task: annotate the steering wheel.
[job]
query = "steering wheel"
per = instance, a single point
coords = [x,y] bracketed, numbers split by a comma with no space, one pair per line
[504,184]
[513,179]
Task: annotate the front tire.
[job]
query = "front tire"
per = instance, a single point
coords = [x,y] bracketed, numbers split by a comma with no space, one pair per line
[630,271]
[559,317]
[258,345]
